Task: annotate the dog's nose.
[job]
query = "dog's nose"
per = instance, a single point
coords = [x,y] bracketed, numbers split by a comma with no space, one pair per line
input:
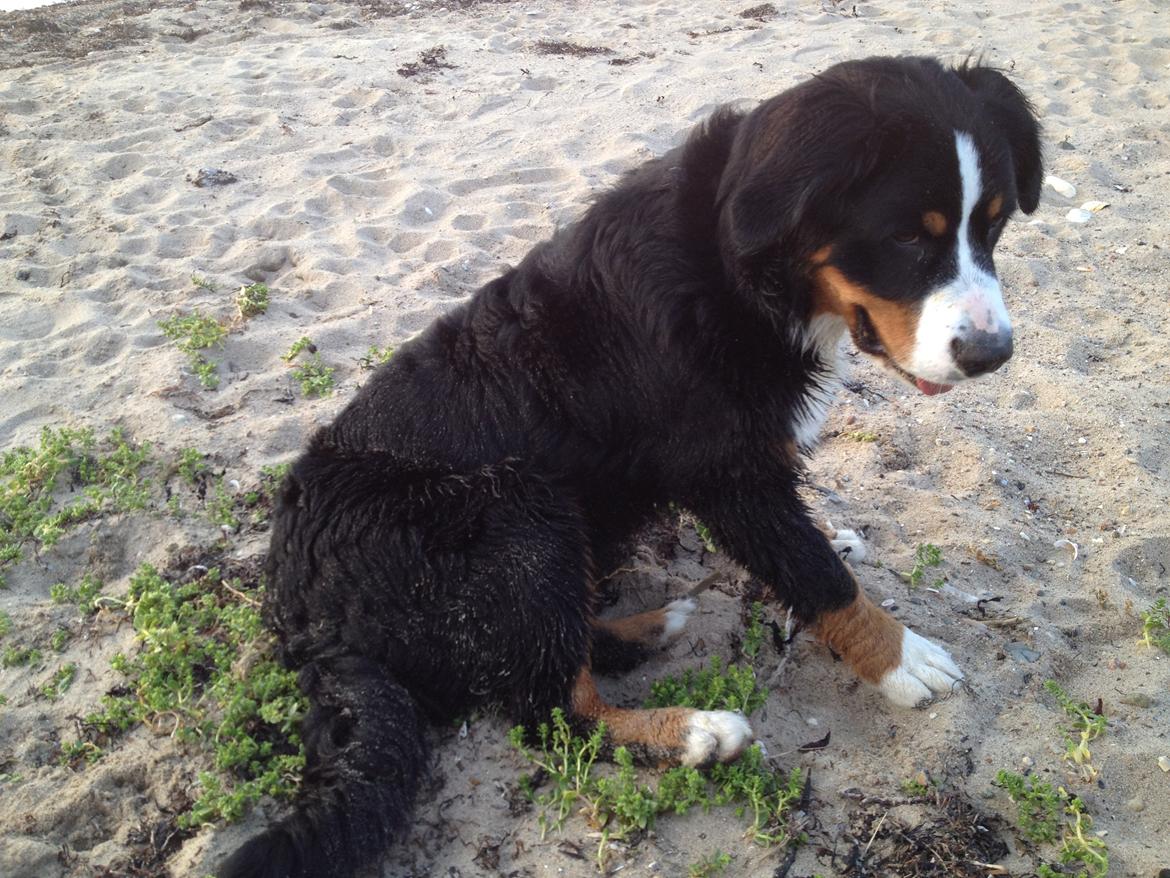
[978,353]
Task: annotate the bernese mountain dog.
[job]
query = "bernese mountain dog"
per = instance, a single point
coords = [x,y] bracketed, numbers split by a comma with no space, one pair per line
[436,547]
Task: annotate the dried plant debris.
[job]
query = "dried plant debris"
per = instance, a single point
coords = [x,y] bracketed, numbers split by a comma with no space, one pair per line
[951,840]
[760,13]
[429,61]
[561,47]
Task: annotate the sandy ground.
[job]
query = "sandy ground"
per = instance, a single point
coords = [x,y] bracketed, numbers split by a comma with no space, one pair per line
[370,201]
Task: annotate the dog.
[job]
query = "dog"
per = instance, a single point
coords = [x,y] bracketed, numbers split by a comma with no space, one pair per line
[436,547]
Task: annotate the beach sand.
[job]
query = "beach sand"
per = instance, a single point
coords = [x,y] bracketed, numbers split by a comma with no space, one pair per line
[372,196]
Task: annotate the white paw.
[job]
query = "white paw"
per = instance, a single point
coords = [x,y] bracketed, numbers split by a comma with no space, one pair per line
[676,614]
[926,670]
[716,735]
[849,545]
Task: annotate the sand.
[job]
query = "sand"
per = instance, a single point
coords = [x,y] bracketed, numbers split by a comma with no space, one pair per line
[371,196]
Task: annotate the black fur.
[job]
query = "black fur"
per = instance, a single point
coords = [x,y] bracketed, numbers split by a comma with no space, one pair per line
[433,547]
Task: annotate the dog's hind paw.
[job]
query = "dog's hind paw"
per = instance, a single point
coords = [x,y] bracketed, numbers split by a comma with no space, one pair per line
[849,545]
[926,670]
[675,616]
[715,735]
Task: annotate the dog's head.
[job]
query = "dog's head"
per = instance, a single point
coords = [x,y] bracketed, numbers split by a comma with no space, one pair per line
[876,192]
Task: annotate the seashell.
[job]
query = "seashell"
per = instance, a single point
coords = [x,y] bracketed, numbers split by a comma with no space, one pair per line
[1078,215]
[1064,187]
[1094,206]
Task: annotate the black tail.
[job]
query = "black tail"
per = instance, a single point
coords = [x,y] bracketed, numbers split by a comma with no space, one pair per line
[365,754]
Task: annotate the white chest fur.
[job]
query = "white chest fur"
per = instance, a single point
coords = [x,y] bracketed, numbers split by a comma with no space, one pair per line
[821,338]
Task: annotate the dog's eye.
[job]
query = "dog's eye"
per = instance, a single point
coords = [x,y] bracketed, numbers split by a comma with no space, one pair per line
[907,239]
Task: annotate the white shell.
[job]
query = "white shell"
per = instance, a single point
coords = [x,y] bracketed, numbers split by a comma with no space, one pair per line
[1078,215]
[1094,206]
[1064,187]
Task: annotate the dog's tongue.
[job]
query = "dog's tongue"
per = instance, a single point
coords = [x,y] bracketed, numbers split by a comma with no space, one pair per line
[931,389]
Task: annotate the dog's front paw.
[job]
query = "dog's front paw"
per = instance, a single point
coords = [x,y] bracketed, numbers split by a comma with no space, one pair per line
[848,544]
[926,670]
[715,735]
[674,618]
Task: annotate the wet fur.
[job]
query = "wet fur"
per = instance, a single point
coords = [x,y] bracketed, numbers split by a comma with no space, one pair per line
[434,548]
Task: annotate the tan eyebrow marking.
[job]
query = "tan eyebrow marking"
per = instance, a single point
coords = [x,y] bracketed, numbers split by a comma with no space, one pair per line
[820,257]
[994,207]
[935,223]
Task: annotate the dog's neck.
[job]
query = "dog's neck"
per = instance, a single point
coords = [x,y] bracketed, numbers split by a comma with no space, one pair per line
[820,337]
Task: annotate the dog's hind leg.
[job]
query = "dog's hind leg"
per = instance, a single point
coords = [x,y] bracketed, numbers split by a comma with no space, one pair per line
[365,754]
[673,734]
[848,544]
[620,645]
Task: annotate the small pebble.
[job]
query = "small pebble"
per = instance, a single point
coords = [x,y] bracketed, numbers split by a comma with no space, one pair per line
[888,602]
[1027,762]
[1164,763]
[813,721]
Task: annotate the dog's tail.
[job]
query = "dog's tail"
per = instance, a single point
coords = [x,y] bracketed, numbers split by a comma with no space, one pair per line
[365,753]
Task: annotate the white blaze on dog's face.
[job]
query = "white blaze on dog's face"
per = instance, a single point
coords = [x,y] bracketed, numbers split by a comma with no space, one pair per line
[912,276]
[963,328]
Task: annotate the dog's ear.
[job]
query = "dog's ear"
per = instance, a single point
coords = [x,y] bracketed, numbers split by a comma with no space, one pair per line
[794,161]
[1013,116]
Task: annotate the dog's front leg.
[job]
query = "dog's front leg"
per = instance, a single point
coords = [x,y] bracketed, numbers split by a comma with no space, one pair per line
[766,527]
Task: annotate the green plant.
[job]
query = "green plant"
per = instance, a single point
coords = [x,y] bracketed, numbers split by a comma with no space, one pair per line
[861,436]
[765,796]
[185,679]
[59,639]
[73,752]
[916,786]
[19,656]
[618,805]
[315,377]
[1045,813]
[70,477]
[59,683]
[1156,625]
[221,508]
[925,556]
[753,634]
[192,466]
[704,533]
[252,300]
[5,623]
[1038,805]
[85,595]
[710,866]
[272,476]
[301,344]
[566,760]
[375,357]
[1088,851]
[710,688]
[1087,724]
[192,334]
[203,283]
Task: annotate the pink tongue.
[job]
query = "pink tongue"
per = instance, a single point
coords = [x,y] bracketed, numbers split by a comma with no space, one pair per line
[931,389]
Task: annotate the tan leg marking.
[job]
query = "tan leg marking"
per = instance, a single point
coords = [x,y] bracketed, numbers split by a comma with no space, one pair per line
[644,628]
[866,636]
[653,628]
[663,729]
[675,734]
[994,207]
